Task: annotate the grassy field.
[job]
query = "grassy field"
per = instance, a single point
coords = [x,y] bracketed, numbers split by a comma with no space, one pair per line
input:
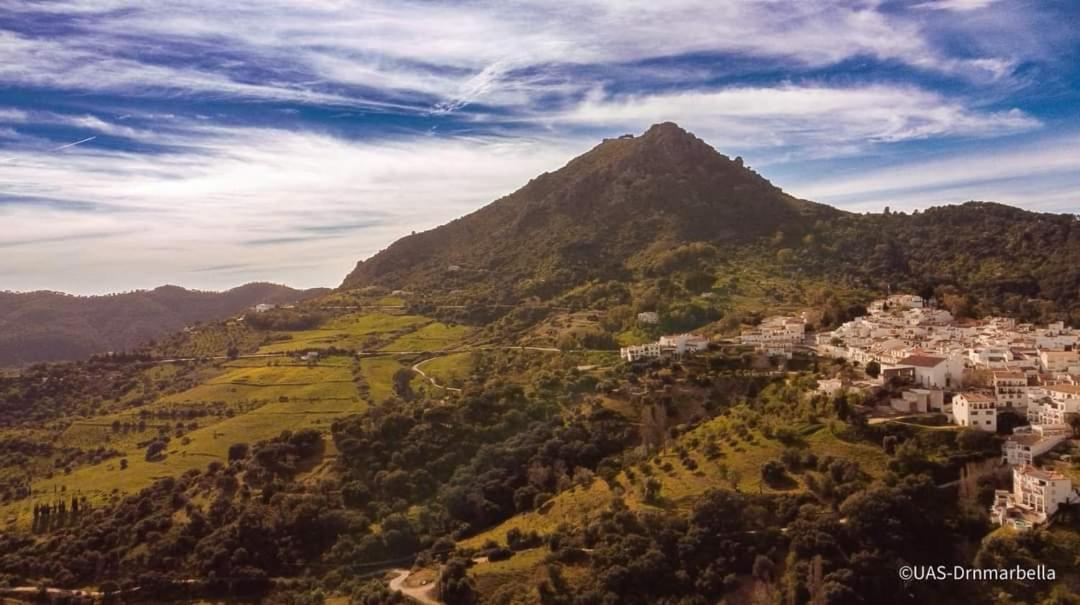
[435,336]
[330,380]
[255,403]
[202,446]
[378,373]
[449,369]
[346,332]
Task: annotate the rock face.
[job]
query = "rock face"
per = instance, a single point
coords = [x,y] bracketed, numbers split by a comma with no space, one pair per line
[589,219]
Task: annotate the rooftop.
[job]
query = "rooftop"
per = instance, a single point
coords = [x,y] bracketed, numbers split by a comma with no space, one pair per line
[922,361]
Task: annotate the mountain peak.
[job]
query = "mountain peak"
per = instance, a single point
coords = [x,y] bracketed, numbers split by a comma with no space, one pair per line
[591,218]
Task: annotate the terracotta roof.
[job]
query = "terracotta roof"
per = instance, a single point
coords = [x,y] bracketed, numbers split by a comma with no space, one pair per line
[1071,389]
[974,396]
[1009,374]
[1039,473]
[922,361]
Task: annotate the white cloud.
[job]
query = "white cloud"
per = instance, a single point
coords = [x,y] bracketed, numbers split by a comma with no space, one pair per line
[456,52]
[1043,174]
[814,120]
[956,5]
[318,203]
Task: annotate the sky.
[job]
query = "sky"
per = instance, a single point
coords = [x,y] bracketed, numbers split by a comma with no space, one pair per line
[207,143]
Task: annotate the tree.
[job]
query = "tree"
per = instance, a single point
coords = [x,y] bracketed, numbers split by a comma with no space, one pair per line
[402,383]
[772,472]
[974,440]
[232,352]
[763,568]
[238,451]
[651,490]
[155,450]
[873,369]
[888,443]
[455,587]
[123,464]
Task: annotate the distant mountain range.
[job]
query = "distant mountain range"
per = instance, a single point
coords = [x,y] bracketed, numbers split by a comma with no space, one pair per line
[48,326]
[665,207]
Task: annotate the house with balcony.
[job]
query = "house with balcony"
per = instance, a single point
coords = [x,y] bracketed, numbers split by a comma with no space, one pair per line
[1036,495]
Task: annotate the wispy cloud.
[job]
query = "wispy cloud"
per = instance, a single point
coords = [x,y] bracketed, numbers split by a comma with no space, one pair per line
[1043,174]
[319,200]
[814,120]
[293,138]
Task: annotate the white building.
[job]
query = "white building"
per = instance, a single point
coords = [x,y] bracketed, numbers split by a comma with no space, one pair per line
[919,401]
[677,345]
[975,410]
[935,372]
[776,335]
[648,317]
[680,344]
[633,353]
[1061,401]
[1035,497]
[1027,443]
[1058,361]
[1010,389]
[264,307]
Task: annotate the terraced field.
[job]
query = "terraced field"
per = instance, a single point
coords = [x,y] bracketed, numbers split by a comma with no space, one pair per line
[738,464]
[248,404]
[347,332]
[270,383]
[434,336]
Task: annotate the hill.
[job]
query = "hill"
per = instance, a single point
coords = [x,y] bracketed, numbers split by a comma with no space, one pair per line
[49,326]
[664,210]
[626,198]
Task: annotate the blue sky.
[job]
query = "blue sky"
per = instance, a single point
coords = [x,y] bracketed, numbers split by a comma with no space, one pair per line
[209,143]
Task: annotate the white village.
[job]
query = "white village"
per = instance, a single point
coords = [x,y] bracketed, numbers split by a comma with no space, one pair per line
[970,371]
[973,372]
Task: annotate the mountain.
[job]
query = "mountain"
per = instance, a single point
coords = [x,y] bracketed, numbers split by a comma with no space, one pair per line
[47,326]
[622,200]
[665,209]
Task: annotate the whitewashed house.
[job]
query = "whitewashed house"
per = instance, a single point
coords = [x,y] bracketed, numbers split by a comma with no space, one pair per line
[1058,361]
[932,371]
[1036,496]
[1010,389]
[975,410]
[1027,443]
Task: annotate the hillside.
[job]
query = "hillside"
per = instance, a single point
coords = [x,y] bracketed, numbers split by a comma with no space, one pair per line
[662,210]
[627,197]
[49,326]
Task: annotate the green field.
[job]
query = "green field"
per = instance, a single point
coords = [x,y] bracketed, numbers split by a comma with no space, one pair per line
[346,332]
[253,403]
[204,446]
[270,383]
[449,369]
[378,373]
[435,336]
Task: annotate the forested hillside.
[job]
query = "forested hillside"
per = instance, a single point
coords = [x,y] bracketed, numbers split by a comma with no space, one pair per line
[665,205]
[46,326]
